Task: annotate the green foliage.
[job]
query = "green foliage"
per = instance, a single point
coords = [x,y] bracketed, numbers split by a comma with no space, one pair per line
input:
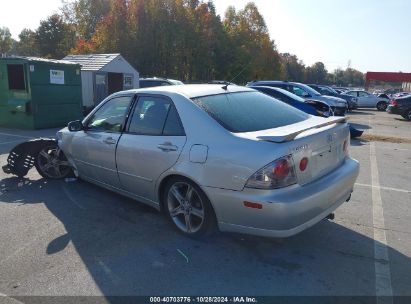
[316,73]
[54,37]
[6,42]
[347,77]
[183,39]
[294,69]
[84,15]
[27,44]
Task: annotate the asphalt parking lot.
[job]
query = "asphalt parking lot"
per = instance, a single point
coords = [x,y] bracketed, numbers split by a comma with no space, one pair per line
[73,238]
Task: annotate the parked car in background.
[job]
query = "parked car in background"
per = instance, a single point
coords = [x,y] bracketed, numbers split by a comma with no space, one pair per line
[329,91]
[340,89]
[368,100]
[223,82]
[338,105]
[313,107]
[207,156]
[383,95]
[401,94]
[155,82]
[401,106]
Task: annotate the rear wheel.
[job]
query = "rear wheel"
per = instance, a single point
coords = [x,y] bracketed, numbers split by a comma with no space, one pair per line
[408,115]
[52,163]
[381,106]
[188,207]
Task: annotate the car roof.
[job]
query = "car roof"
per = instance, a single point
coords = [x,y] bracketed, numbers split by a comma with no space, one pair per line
[192,90]
[270,81]
[153,79]
[256,87]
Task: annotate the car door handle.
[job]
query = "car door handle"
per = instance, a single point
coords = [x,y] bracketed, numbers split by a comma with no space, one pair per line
[167,147]
[110,141]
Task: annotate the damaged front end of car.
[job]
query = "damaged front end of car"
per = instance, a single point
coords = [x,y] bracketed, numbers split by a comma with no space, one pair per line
[42,153]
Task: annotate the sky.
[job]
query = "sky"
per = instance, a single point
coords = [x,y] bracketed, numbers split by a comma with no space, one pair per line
[373,35]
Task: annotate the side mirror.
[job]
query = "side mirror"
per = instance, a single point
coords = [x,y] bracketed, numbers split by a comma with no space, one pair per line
[75,126]
[306,95]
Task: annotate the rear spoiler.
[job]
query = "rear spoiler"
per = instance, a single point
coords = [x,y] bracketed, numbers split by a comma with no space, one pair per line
[283,135]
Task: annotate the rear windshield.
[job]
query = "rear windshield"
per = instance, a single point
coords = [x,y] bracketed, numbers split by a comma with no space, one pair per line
[249,111]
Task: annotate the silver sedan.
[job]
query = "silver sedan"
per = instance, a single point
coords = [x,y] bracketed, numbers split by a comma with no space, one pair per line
[215,156]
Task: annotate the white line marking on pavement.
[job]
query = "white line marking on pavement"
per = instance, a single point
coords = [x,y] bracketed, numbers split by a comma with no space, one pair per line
[8,134]
[383,286]
[383,188]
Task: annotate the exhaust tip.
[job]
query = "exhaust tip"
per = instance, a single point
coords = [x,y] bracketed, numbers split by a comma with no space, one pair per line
[331,216]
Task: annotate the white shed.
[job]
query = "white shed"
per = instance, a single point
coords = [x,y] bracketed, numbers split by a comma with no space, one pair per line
[104,74]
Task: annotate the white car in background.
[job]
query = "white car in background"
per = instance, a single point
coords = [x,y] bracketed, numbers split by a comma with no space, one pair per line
[368,100]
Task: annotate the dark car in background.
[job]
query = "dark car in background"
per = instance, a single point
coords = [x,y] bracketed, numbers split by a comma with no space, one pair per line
[340,90]
[338,105]
[329,91]
[401,106]
[313,107]
[157,82]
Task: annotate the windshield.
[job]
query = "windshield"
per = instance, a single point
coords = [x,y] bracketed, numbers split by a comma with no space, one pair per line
[309,90]
[249,111]
[175,82]
[289,94]
[330,90]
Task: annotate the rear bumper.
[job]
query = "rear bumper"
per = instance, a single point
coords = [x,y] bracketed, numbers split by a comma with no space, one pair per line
[393,110]
[286,211]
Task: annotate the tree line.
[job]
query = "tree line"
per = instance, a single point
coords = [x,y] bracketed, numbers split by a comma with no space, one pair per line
[182,39]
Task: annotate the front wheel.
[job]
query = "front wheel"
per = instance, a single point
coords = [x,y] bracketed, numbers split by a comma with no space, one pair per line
[188,207]
[381,106]
[52,163]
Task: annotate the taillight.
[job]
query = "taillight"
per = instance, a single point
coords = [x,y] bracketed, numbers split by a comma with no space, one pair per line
[393,102]
[303,163]
[277,174]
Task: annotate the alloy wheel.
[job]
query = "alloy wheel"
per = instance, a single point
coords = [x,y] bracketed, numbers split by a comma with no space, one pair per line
[381,106]
[52,163]
[185,207]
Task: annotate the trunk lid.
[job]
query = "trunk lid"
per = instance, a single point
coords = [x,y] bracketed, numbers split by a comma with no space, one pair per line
[320,140]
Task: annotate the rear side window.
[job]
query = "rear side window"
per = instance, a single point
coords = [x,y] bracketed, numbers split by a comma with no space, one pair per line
[15,74]
[149,116]
[249,111]
[173,125]
[155,116]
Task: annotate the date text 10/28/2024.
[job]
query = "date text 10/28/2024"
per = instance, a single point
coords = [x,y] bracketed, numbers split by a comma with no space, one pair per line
[203,300]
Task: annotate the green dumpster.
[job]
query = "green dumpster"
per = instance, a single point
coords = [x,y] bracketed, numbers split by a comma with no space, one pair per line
[38,93]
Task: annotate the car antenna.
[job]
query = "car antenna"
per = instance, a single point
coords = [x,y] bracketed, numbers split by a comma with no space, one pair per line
[226,85]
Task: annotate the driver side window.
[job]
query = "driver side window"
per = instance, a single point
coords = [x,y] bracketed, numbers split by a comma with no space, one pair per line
[110,117]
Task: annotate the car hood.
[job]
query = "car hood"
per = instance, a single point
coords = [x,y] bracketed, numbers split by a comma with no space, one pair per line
[330,100]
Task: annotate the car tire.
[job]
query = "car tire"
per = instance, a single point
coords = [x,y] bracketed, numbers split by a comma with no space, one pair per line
[51,162]
[382,106]
[188,208]
[408,115]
